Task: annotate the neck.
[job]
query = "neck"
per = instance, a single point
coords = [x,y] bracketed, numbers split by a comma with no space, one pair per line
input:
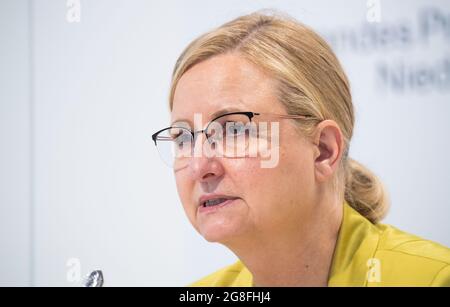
[300,256]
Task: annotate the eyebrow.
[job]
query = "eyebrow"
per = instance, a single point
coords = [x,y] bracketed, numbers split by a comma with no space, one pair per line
[213,115]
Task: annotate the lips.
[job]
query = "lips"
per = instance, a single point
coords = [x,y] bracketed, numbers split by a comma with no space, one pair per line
[213,200]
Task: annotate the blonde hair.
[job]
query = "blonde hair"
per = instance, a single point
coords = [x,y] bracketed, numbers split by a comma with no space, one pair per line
[310,81]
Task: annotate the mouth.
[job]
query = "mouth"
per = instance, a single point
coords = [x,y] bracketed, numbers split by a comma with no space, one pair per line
[213,202]
[208,204]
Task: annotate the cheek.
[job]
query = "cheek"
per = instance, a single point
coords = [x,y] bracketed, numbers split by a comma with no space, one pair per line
[244,174]
[296,173]
[276,194]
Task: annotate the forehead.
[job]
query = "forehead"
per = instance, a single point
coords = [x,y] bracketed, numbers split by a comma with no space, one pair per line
[223,82]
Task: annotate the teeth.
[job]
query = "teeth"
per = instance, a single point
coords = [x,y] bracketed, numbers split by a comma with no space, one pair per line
[213,202]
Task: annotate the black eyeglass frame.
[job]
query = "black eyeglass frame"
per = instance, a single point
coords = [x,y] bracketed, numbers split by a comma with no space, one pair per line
[249,114]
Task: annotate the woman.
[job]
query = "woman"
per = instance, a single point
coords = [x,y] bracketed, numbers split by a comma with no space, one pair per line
[310,215]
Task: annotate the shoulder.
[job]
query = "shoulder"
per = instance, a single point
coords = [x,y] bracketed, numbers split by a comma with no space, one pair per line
[411,260]
[370,254]
[235,275]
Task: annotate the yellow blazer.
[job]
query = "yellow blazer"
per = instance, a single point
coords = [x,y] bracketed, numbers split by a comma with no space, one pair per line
[366,255]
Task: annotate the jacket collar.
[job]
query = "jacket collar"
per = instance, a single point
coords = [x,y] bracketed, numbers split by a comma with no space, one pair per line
[356,246]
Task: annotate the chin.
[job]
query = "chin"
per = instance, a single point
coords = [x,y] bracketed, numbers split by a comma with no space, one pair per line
[216,236]
[219,233]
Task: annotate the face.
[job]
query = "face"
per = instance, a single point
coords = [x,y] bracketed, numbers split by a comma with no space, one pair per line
[260,201]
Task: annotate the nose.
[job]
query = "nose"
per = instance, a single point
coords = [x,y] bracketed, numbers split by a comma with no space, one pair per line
[205,166]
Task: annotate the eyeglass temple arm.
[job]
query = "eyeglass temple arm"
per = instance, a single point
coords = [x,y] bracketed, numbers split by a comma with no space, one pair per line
[287,116]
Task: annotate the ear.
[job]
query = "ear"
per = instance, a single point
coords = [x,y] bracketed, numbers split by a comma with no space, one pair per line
[329,149]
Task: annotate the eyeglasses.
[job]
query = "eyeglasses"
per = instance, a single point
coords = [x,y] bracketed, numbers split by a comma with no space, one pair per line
[230,135]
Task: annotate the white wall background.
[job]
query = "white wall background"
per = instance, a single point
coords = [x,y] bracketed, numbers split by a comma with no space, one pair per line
[80,178]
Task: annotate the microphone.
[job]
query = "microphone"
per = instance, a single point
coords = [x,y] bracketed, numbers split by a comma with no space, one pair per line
[94,280]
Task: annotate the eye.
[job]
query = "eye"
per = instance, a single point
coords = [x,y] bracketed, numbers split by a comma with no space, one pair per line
[182,140]
[234,129]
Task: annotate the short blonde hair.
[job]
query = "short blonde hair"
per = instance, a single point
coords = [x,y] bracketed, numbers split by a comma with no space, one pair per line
[310,80]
